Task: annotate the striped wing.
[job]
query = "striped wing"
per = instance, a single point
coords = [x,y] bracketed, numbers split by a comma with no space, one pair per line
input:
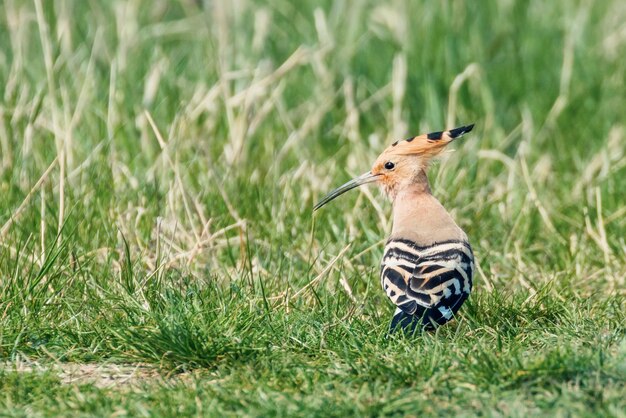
[430,283]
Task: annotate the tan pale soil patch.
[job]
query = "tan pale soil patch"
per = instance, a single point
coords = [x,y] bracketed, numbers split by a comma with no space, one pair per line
[102,375]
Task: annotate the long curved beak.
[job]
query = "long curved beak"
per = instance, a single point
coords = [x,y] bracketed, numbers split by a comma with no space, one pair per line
[355,182]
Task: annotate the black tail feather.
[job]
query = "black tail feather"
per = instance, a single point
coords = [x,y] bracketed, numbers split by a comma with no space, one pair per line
[403,321]
[424,320]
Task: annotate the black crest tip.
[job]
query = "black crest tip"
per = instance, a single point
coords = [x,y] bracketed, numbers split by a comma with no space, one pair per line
[457,132]
[434,135]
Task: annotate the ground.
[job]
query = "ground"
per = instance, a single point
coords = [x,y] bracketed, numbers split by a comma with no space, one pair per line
[159,162]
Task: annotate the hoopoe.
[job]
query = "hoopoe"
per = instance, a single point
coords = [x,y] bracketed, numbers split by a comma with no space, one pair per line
[428,264]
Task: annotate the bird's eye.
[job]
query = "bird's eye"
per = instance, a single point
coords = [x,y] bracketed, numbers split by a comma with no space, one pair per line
[389,165]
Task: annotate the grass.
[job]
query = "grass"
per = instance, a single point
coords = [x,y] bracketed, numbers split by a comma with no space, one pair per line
[158,166]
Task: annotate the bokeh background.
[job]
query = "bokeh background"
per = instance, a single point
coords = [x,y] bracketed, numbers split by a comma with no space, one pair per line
[159,161]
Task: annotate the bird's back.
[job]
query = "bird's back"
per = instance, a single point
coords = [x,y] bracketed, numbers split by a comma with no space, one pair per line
[428,284]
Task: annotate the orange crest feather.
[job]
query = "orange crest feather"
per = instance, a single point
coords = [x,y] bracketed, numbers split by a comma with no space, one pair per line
[428,145]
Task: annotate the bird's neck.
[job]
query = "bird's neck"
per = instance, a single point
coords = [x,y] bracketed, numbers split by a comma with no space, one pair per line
[418,216]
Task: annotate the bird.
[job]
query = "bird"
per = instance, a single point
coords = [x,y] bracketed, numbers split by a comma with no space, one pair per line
[428,263]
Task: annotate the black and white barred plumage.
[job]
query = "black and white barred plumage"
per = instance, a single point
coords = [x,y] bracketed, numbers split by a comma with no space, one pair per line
[428,284]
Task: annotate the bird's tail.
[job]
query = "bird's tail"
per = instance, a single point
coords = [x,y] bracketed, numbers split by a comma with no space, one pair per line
[403,321]
[410,323]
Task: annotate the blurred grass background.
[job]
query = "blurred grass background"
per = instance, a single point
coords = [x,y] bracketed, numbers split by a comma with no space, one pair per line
[158,165]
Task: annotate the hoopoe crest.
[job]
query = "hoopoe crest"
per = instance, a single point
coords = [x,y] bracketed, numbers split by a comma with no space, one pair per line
[428,264]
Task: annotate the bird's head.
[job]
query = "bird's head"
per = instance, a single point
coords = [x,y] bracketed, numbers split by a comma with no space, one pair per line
[402,164]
